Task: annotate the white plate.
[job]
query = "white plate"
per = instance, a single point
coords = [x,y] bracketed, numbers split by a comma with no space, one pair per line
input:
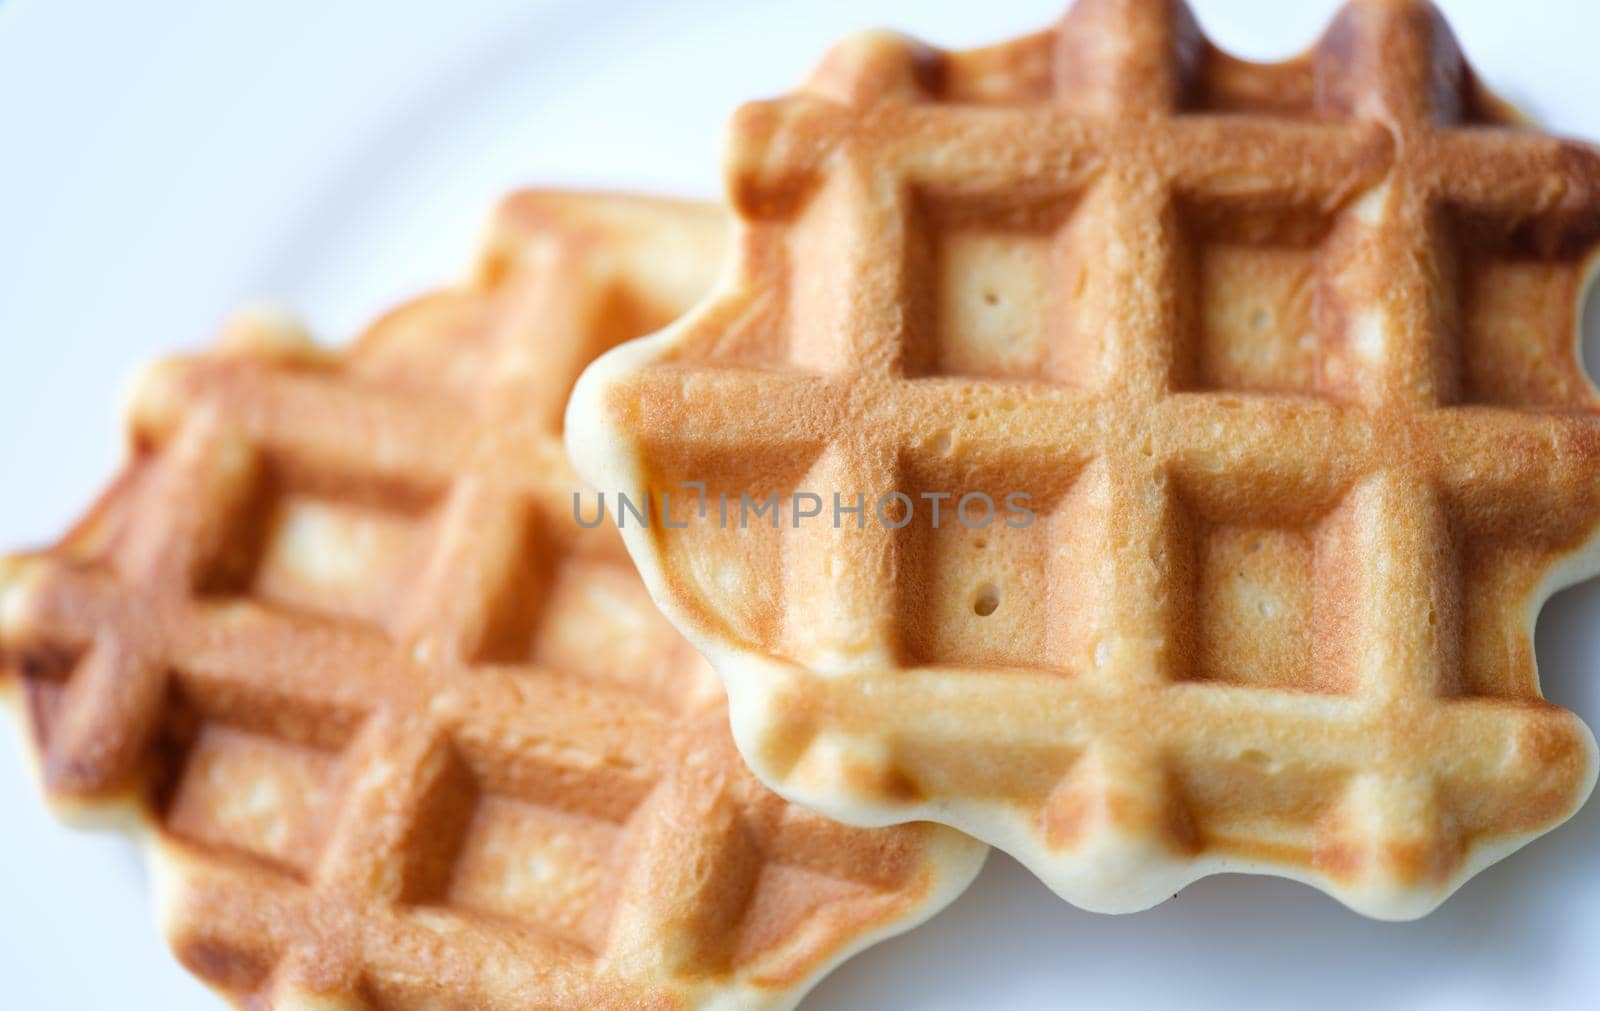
[161,162]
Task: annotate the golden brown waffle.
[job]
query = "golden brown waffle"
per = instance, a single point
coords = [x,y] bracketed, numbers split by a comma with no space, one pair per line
[1283,355]
[403,734]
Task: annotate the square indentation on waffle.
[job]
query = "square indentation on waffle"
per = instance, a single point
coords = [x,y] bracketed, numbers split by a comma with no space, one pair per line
[339,548]
[1257,593]
[1262,583]
[1494,547]
[997,578]
[733,527]
[597,621]
[783,897]
[535,864]
[802,871]
[1516,286]
[992,302]
[247,785]
[1260,307]
[529,840]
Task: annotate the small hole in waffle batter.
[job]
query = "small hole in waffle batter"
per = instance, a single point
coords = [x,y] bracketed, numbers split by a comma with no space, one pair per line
[987,600]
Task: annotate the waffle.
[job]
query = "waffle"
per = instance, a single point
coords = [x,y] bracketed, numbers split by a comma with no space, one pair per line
[398,731]
[1284,358]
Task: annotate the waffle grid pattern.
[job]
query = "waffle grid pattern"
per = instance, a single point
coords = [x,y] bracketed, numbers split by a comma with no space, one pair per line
[1264,329]
[364,767]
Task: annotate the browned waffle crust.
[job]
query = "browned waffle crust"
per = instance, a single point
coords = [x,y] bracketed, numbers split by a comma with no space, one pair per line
[1284,356]
[402,733]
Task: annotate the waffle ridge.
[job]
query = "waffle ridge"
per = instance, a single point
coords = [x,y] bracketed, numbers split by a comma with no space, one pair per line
[1285,356]
[402,733]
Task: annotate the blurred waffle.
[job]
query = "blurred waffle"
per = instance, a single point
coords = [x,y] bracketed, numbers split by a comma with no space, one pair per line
[1284,358]
[401,732]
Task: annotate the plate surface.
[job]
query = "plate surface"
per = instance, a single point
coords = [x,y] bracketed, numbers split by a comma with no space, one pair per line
[165,162]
